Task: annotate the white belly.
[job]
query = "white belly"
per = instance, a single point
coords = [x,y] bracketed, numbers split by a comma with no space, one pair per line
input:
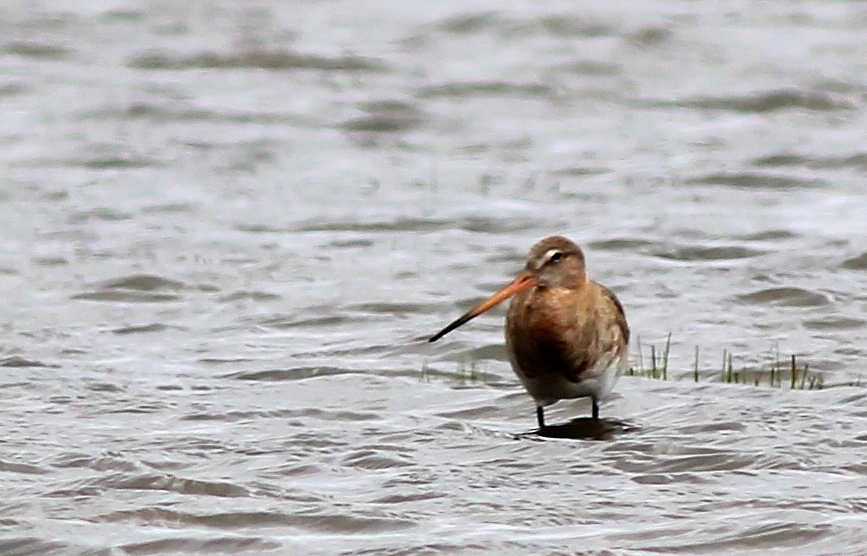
[597,384]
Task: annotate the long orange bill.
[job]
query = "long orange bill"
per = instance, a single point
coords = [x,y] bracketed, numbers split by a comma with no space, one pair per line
[522,282]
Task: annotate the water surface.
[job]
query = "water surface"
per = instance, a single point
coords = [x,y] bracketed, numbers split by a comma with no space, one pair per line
[230,228]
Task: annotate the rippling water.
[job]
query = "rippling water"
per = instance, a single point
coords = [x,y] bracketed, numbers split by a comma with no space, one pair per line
[229,228]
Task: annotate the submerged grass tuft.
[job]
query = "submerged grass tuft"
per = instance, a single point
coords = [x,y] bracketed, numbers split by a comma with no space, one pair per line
[774,374]
[658,366]
[467,372]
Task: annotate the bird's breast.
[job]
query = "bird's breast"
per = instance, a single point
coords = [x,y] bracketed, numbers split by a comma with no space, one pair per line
[564,332]
[543,332]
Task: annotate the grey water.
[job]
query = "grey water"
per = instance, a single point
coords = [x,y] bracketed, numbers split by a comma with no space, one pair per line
[229,228]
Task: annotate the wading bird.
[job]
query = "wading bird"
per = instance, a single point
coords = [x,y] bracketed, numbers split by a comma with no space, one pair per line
[566,335]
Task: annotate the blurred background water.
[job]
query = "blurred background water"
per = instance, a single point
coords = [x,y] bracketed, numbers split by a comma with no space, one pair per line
[229,228]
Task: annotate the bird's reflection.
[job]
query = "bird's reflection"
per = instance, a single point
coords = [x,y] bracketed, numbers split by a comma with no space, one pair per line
[585,428]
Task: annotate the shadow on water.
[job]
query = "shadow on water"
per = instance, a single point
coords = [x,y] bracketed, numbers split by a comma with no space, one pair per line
[585,428]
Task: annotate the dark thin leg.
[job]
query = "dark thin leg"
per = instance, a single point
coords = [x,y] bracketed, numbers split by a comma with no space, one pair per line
[540,416]
[595,409]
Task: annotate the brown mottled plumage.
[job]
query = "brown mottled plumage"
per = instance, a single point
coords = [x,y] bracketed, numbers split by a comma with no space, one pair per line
[566,335]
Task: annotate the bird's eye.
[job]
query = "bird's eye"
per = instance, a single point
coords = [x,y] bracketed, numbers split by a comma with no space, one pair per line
[556,256]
